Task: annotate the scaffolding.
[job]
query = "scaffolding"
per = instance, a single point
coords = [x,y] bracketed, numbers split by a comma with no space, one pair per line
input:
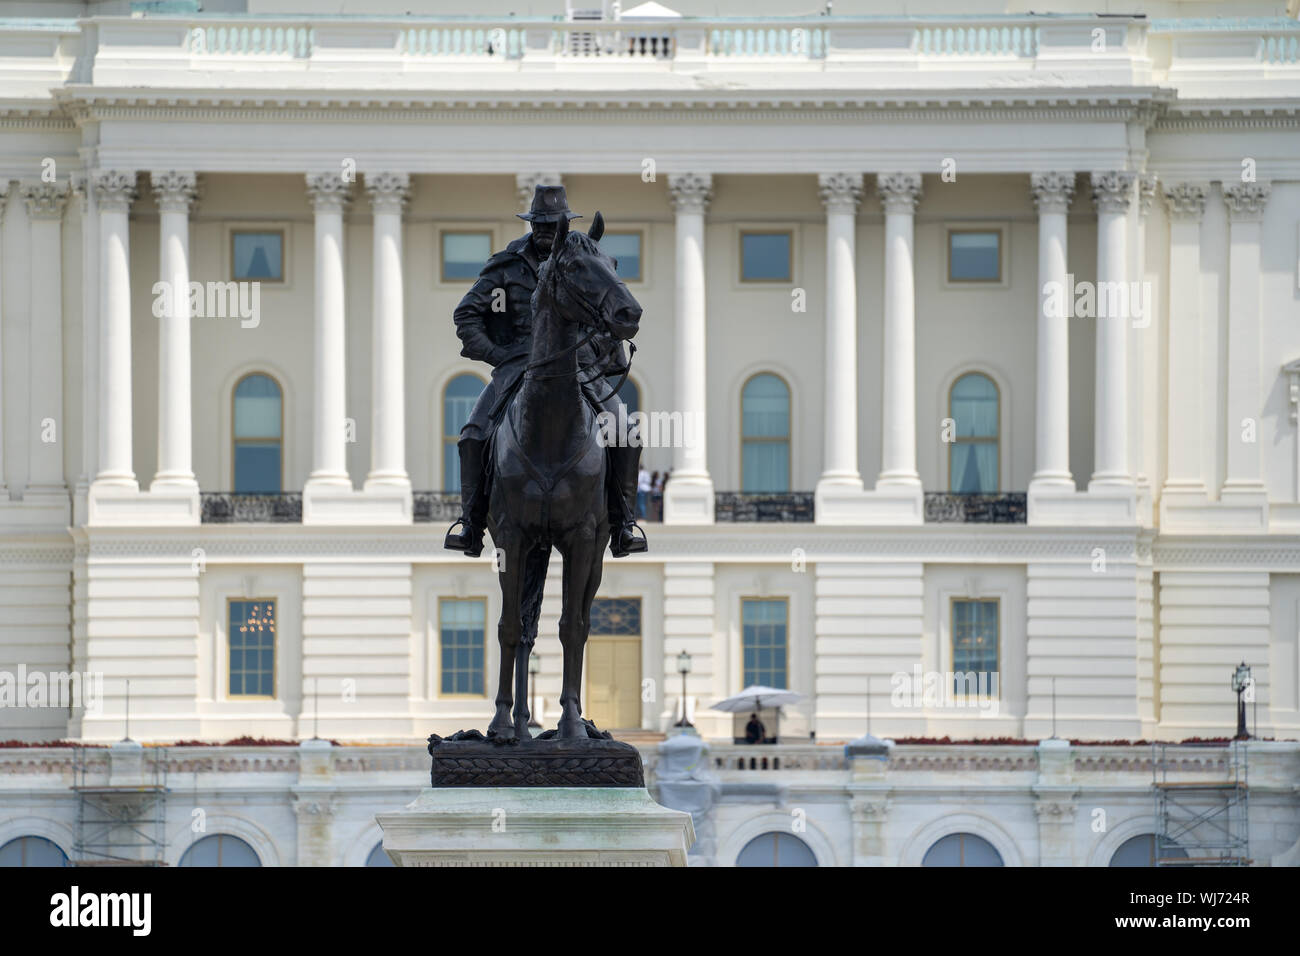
[124,824]
[1202,819]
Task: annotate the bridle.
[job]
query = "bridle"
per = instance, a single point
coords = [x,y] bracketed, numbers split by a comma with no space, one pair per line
[596,314]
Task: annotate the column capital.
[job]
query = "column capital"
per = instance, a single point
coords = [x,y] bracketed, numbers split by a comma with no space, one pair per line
[1148,186]
[45,201]
[175,190]
[4,196]
[690,192]
[328,192]
[1052,191]
[1112,189]
[115,189]
[389,192]
[840,192]
[1186,201]
[526,184]
[1246,201]
[899,192]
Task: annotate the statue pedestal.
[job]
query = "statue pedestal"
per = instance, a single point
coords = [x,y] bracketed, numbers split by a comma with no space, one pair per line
[536,826]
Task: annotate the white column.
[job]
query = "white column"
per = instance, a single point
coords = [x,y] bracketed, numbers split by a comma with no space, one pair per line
[329,194]
[688,496]
[90,338]
[1184,480]
[115,191]
[175,192]
[1052,194]
[1243,486]
[1143,344]
[1112,191]
[840,194]
[45,204]
[388,194]
[899,192]
[4,198]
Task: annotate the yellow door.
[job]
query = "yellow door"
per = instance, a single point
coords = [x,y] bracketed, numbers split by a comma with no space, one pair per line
[614,682]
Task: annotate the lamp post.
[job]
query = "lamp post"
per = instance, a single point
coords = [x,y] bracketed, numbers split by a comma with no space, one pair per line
[1240,681]
[683,668]
[534,668]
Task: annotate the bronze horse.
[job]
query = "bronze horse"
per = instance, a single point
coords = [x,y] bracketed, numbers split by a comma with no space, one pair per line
[549,481]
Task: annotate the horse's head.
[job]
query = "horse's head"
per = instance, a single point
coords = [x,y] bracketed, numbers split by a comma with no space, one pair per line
[579,283]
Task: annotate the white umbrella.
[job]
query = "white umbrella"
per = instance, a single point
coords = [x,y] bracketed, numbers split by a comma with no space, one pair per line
[756,697]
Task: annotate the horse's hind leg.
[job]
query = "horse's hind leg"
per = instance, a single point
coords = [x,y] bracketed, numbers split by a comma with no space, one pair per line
[509,631]
[582,571]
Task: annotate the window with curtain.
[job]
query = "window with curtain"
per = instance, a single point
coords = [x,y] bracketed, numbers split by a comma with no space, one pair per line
[258,435]
[220,849]
[764,645]
[765,434]
[974,642]
[461,623]
[973,453]
[251,637]
[457,402]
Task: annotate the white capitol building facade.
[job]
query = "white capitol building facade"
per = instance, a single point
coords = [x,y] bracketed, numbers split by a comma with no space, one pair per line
[910,461]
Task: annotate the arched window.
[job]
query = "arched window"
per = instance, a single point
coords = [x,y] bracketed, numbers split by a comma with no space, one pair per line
[458,400]
[259,428]
[378,857]
[962,849]
[32,851]
[1141,851]
[776,849]
[765,434]
[973,454]
[220,849]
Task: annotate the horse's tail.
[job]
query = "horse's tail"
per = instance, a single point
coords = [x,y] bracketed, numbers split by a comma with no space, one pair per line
[535,565]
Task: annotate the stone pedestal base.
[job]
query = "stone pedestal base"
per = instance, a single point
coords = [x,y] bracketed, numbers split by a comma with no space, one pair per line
[536,826]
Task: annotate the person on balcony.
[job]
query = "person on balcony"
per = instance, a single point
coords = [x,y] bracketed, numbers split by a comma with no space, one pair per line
[494,322]
[755,732]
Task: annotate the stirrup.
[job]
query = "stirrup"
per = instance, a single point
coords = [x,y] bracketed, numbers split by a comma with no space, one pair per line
[470,540]
[635,545]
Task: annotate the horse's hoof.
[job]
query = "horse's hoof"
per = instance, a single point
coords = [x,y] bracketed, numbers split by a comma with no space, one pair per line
[572,729]
[501,733]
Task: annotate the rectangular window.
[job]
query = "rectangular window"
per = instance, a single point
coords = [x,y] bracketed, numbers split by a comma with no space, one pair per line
[764,646]
[251,637]
[461,625]
[974,644]
[464,253]
[974,255]
[625,249]
[257,255]
[766,256]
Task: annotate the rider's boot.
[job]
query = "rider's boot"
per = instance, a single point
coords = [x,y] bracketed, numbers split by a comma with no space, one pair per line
[625,536]
[473,501]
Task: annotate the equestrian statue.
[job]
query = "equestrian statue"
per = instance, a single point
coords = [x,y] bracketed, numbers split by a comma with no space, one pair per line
[550,315]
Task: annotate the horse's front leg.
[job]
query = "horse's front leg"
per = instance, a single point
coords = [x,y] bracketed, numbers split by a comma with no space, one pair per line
[509,632]
[523,705]
[582,572]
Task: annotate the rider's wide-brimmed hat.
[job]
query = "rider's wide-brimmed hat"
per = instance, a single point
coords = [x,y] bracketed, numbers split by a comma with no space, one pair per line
[549,205]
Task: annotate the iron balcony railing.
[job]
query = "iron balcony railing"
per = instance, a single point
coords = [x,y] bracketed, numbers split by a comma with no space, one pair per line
[229,507]
[999,507]
[741,506]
